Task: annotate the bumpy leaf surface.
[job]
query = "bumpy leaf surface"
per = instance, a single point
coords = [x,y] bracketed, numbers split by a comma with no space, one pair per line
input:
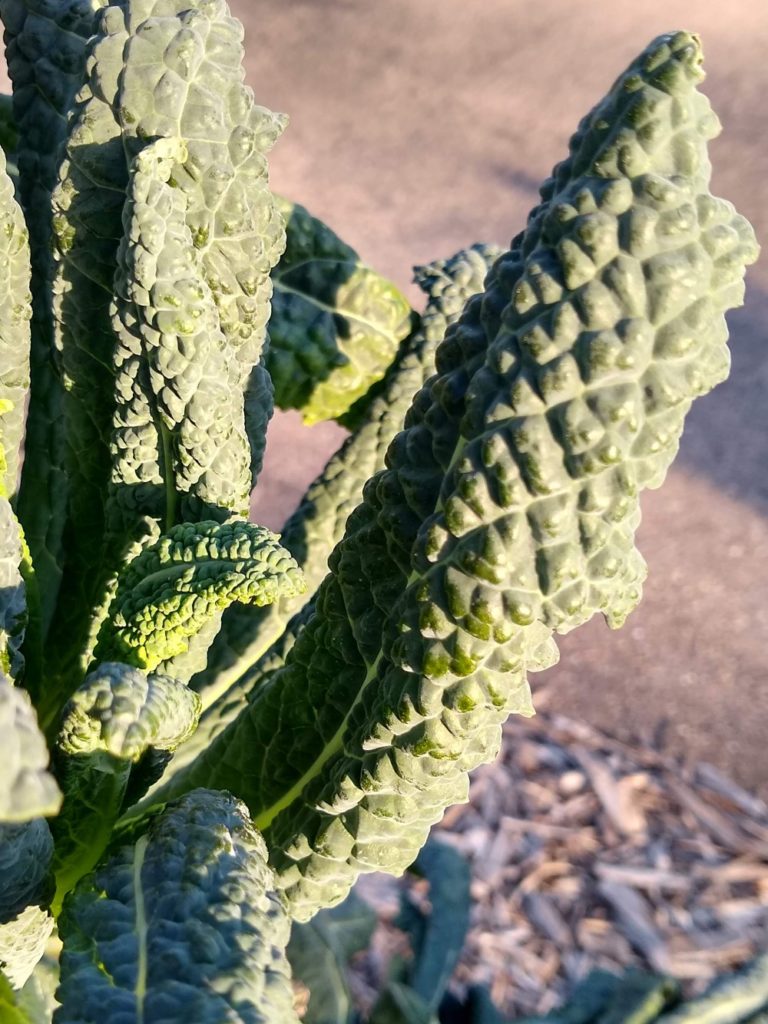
[117,715]
[180,448]
[510,501]
[15,314]
[336,324]
[317,525]
[27,789]
[22,943]
[175,586]
[121,711]
[25,860]
[182,925]
[13,602]
[45,51]
[157,70]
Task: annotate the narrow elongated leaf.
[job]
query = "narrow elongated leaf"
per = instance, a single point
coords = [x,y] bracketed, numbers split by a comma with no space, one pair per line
[182,925]
[729,1001]
[13,599]
[157,71]
[437,937]
[319,953]
[510,501]
[180,448]
[317,525]
[335,325]
[113,720]
[27,789]
[15,315]
[401,1005]
[45,52]
[177,585]
[26,850]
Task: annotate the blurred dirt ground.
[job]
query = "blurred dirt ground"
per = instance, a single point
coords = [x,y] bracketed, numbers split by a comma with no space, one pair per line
[418,128]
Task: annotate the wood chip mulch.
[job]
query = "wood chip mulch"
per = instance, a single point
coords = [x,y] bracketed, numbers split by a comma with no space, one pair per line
[588,852]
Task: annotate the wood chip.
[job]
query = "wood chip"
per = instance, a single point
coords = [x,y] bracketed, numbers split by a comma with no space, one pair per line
[590,852]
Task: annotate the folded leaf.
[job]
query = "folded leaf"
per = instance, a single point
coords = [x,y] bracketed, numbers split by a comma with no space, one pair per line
[27,789]
[182,925]
[113,720]
[9,134]
[510,501]
[335,325]
[317,525]
[15,314]
[174,587]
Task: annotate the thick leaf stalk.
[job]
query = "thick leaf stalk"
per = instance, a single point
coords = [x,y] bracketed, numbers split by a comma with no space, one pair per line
[156,71]
[509,504]
[317,525]
[183,924]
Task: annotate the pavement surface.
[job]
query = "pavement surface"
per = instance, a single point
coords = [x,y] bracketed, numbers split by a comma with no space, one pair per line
[418,128]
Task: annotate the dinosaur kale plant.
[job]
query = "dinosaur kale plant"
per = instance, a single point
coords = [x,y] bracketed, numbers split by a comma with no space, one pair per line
[209,731]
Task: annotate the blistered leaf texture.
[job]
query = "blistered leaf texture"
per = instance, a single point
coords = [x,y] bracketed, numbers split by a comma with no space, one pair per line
[13,601]
[183,925]
[45,52]
[15,315]
[156,71]
[335,325]
[26,849]
[509,504]
[173,588]
[121,711]
[317,525]
[27,789]
[22,943]
[180,448]
[118,715]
